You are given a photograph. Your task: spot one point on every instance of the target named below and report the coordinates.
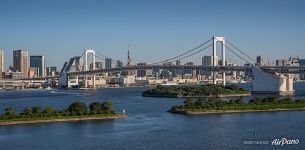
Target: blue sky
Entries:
(155, 29)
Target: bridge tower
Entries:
(217, 39)
(89, 53)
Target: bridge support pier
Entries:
(93, 81)
(223, 78)
(86, 82)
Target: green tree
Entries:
(95, 106)
(107, 106)
(188, 103)
(36, 110)
(49, 111)
(78, 108)
(10, 111)
(28, 111)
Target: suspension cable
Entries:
(192, 53)
(240, 51)
(169, 60)
(237, 54)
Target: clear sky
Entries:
(154, 29)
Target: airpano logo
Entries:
(284, 141)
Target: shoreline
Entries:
(221, 96)
(186, 112)
(203, 96)
(71, 119)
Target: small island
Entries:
(77, 111)
(216, 105)
(186, 91)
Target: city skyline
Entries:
(263, 28)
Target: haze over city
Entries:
(62, 29)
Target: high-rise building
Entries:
(119, 64)
(33, 72)
(39, 63)
(141, 72)
(144, 72)
(1, 63)
(207, 61)
(108, 62)
(281, 62)
(259, 61)
(98, 66)
(21, 62)
(51, 71)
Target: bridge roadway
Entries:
(220, 69)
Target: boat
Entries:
(48, 88)
(52, 92)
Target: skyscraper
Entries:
(108, 62)
(21, 62)
(119, 64)
(1, 63)
(259, 61)
(207, 61)
(38, 62)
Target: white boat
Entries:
(48, 88)
(52, 92)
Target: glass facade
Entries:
(39, 63)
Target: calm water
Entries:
(148, 126)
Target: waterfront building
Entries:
(1, 63)
(38, 62)
(108, 62)
(128, 80)
(33, 72)
(20, 62)
(16, 75)
(51, 71)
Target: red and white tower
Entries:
(128, 59)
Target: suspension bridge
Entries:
(86, 65)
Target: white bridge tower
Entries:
(89, 53)
(217, 39)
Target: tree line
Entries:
(77, 108)
(215, 103)
(194, 90)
